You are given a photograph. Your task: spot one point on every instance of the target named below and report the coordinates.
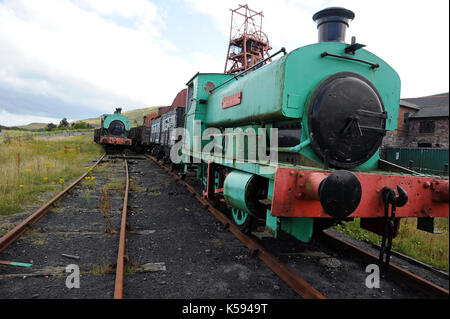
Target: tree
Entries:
(81, 125)
(63, 123)
(50, 126)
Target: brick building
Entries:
(422, 122)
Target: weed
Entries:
(129, 269)
(7, 139)
(100, 270)
(153, 191)
(87, 196)
(30, 166)
(106, 209)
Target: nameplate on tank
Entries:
(232, 100)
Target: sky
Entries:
(82, 58)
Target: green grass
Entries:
(432, 249)
(32, 166)
(9, 136)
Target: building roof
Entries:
(432, 111)
(429, 101)
(428, 106)
(409, 105)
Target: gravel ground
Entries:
(175, 247)
(202, 260)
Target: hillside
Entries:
(33, 126)
(136, 116)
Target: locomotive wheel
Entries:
(242, 220)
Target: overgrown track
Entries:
(299, 285)
(71, 224)
(18, 231)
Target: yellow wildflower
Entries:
(21, 186)
(53, 183)
(28, 170)
(61, 180)
(45, 179)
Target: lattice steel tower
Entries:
(248, 44)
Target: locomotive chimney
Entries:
(118, 110)
(332, 23)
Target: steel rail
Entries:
(18, 231)
(118, 289)
(416, 262)
(405, 276)
(300, 286)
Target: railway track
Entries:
(118, 290)
(20, 229)
(299, 285)
(26, 224)
(395, 272)
(302, 287)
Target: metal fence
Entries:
(423, 160)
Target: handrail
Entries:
(372, 65)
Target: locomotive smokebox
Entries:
(332, 23)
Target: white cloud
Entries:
(9, 119)
(82, 54)
(141, 14)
